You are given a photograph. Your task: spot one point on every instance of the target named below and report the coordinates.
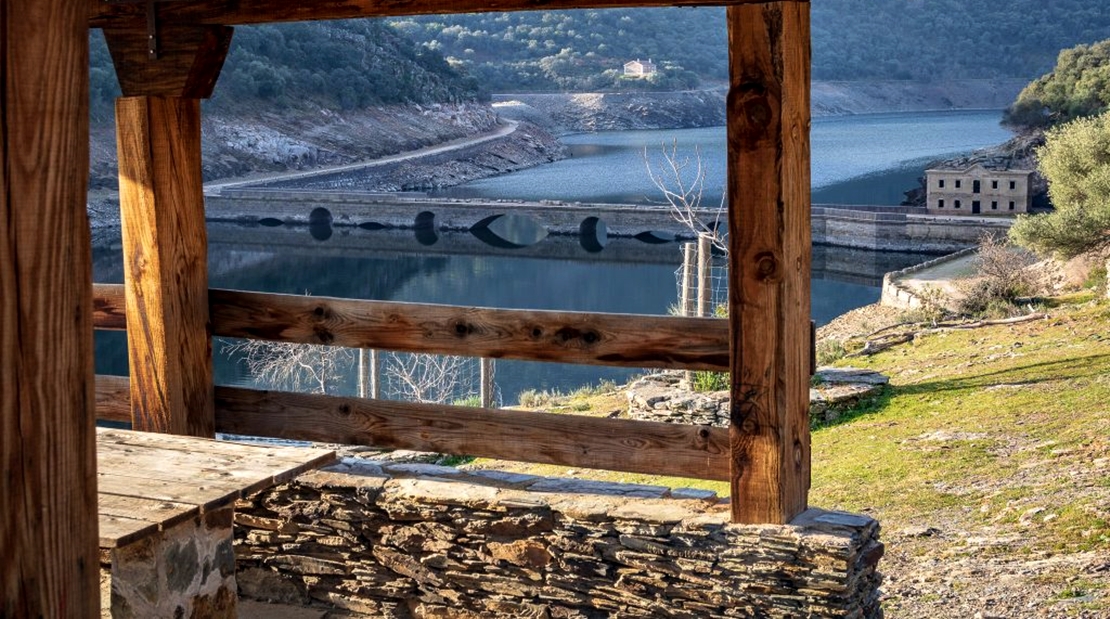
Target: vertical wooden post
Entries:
(705, 275)
(688, 301)
(769, 258)
(485, 373)
(48, 533)
(368, 384)
(165, 248)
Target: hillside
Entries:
(339, 65)
(1079, 85)
(985, 460)
(919, 40)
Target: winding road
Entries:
(507, 128)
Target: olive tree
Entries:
(1076, 161)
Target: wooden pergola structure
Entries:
(168, 55)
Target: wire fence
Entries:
(701, 281)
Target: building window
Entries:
(975, 186)
(994, 205)
(940, 203)
(994, 184)
(1013, 184)
(956, 203)
(940, 183)
(958, 183)
(1011, 205)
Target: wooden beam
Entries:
(221, 12)
(698, 452)
(187, 62)
(769, 259)
(623, 340)
(165, 252)
(49, 565)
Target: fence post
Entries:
(485, 393)
(368, 384)
(705, 275)
(689, 261)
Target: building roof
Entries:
(999, 166)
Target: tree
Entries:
(1076, 161)
(682, 183)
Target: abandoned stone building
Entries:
(978, 190)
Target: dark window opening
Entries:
(994, 184)
(974, 186)
(1011, 205)
(956, 204)
(958, 183)
(975, 207)
(1013, 185)
(940, 183)
(994, 205)
(940, 203)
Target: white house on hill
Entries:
(639, 68)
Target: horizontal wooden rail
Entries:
(624, 340)
(222, 12)
(698, 452)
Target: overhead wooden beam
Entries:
(180, 61)
(769, 259)
(103, 14)
(49, 563)
(165, 258)
(620, 340)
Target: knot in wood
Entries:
(323, 336)
(798, 453)
(767, 267)
(590, 337)
(757, 112)
(321, 312)
(462, 329)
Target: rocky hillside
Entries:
(572, 112)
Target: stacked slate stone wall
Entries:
(425, 541)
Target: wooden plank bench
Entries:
(166, 510)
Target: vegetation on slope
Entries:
(1075, 160)
(1077, 87)
(852, 39)
(339, 65)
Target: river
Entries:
(862, 159)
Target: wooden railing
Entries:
(570, 337)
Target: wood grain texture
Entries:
(188, 62)
(49, 564)
(104, 14)
(698, 452)
(165, 252)
(769, 260)
(625, 340)
(113, 398)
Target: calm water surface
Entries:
(861, 159)
(865, 159)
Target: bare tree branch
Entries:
(682, 183)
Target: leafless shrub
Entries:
(434, 379)
(681, 180)
(1003, 279)
(306, 368)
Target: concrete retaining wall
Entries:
(424, 541)
(894, 294)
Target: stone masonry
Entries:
(666, 397)
(408, 540)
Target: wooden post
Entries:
(689, 261)
(165, 243)
(165, 248)
(48, 527)
(705, 276)
(368, 384)
(485, 373)
(769, 258)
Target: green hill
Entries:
(340, 65)
(852, 40)
(1078, 86)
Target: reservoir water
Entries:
(855, 158)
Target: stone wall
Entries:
(666, 397)
(424, 541)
